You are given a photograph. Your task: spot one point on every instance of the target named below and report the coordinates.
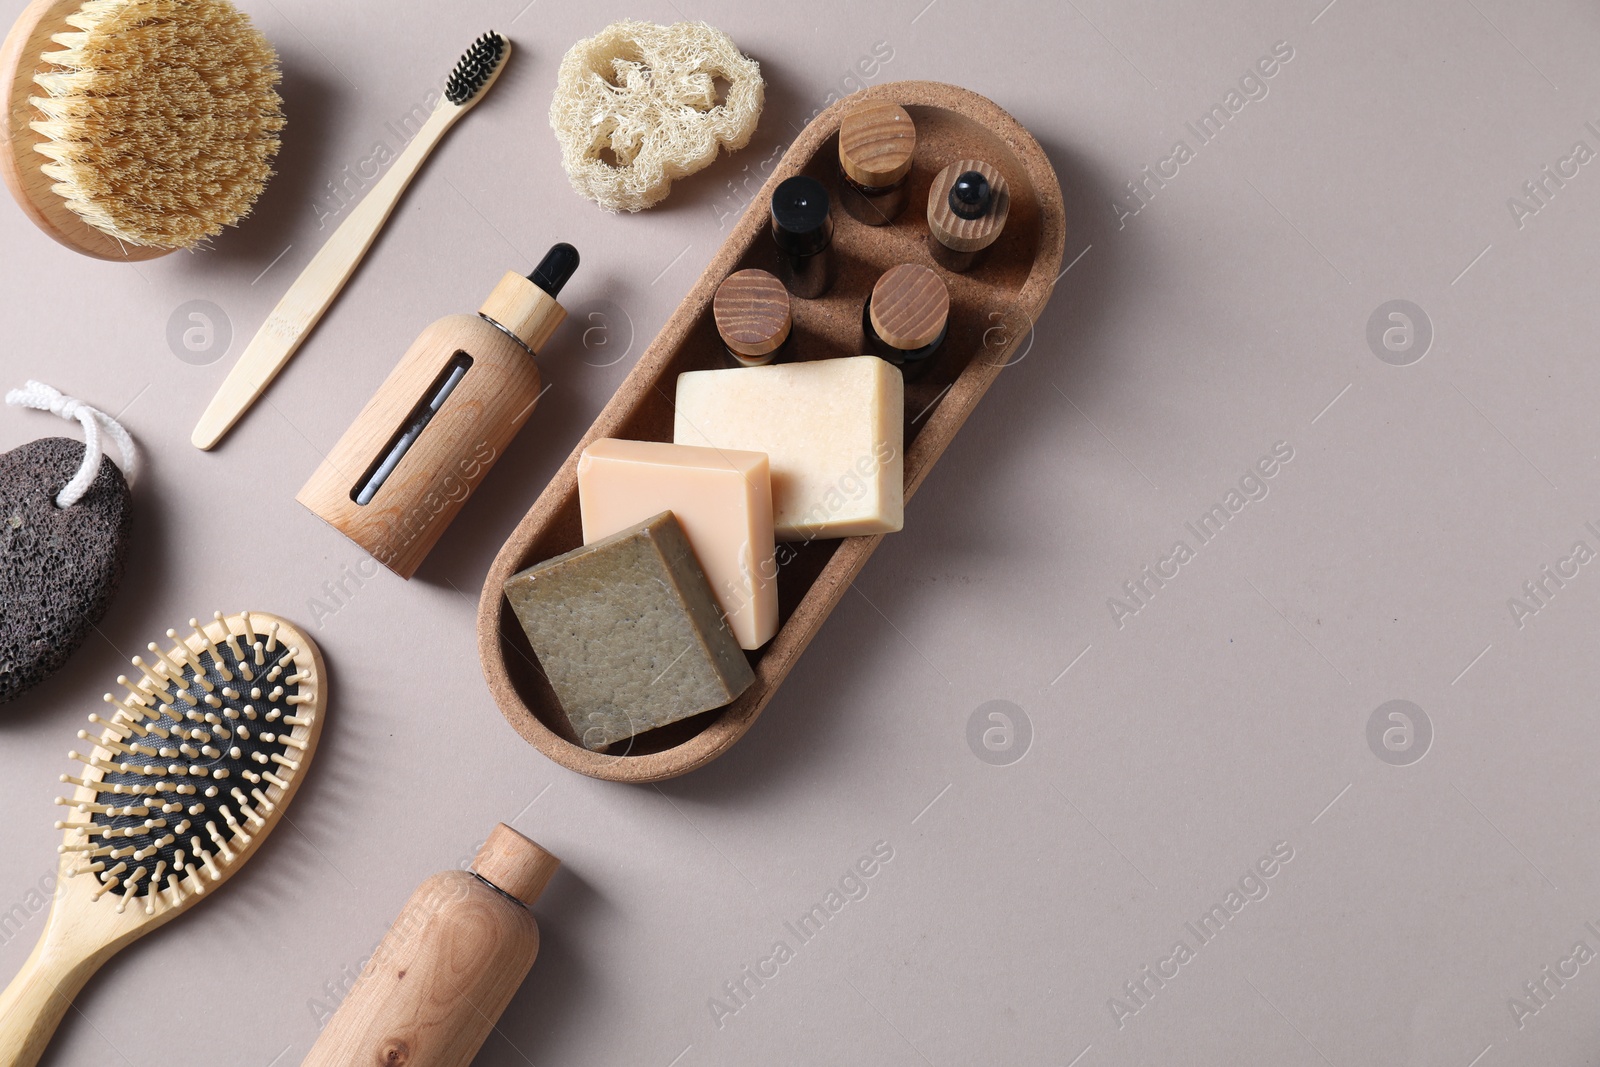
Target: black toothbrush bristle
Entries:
(477, 66)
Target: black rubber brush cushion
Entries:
(59, 567)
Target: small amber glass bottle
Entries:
(907, 317)
(802, 228)
(752, 314)
(877, 145)
(967, 208)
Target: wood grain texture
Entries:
(525, 309)
(82, 932)
(319, 285)
(877, 142)
(514, 864)
(468, 433)
(751, 309)
(20, 165)
(437, 983)
(968, 235)
(992, 311)
(910, 306)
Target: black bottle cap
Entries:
(555, 269)
(970, 196)
(800, 221)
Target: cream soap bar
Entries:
(833, 429)
(721, 497)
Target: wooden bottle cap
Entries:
(877, 141)
(514, 865)
(910, 306)
(967, 235)
(751, 309)
(525, 309)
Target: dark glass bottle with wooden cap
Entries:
(751, 310)
(906, 318)
(802, 228)
(877, 145)
(405, 467)
(967, 208)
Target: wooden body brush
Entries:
(319, 284)
(186, 777)
(136, 127)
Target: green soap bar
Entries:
(629, 633)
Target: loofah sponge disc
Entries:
(161, 116)
(636, 108)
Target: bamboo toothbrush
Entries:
(319, 284)
(189, 774)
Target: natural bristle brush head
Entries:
(136, 127)
(480, 65)
(177, 786)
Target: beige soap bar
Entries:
(833, 430)
(722, 498)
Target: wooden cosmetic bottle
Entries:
(442, 976)
(422, 444)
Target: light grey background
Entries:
(1168, 754)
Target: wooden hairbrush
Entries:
(187, 776)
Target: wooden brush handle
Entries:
(33, 1005)
(319, 284)
(437, 984)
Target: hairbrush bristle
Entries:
(476, 68)
(197, 756)
(161, 118)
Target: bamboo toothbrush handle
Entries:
(319, 284)
(33, 1005)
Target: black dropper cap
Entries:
(555, 269)
(800, 221)
(971, 196)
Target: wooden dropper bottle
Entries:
(422, 444)
(447, 968)
(967, 208)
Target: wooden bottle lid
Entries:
(751, 309)
(967, 235)
(910, 306)
(877, 141)
(525, 309)
(514, 865)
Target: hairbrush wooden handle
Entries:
(298, 313)
(147, 837)
(33, 1005)
(448, 967)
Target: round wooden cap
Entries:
(525, 309)
(752, 312)
(877, 141)
(967, 235)
(514, 865)
(910, 306)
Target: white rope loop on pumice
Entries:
(42, 397)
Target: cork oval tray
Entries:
(993, 308)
